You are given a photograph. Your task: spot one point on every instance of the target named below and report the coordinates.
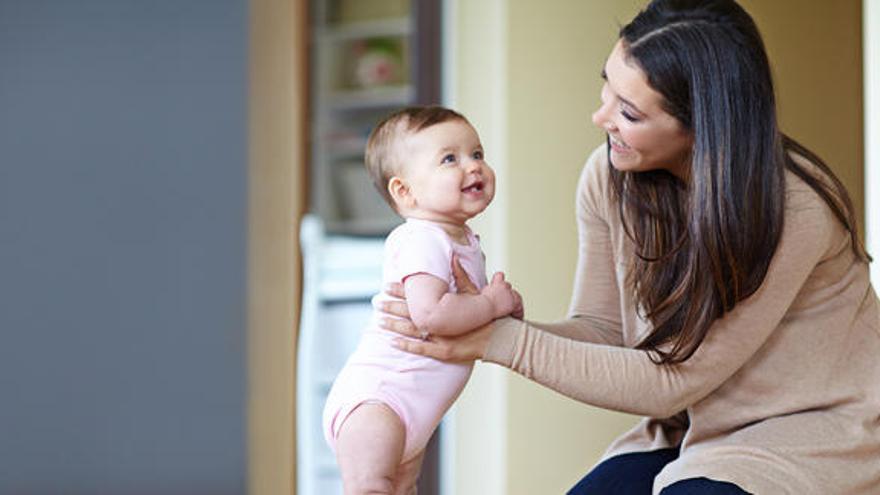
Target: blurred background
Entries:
(169, 320)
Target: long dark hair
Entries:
(705, 245)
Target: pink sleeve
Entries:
(422, 251)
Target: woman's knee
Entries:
(626, 473)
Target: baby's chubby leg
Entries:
(369, 449)
(408, 475)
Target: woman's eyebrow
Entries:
(631, 105)
(621, 98)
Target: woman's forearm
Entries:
(583, 329)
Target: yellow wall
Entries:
(476, 84)
(815, 49)
(534, 103)
(276, 150)
(556, 52)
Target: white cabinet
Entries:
(340, 276)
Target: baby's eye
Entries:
(450, 158)
(478, 155)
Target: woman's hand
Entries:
(465, 286)
(462, 281)
(460, 348)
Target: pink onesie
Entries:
(419, 389)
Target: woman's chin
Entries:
(624, 162)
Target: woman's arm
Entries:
(594, 310)
(581, 328)
(627, 380)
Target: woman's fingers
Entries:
(424, 348)
(395, 289)
(462, 281)
(460, 348)
(396, 308)
(440, 348)
(403, 327)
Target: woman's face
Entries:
(641, 135)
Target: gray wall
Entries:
(122, 246)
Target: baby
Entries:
(427, 162)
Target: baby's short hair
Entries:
(380, 157)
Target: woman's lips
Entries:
(617, 145)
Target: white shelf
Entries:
(367, 29)
(363, 227)
(385, 96)
(343, 149)
(336, 269)
(352, 268)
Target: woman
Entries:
(721, 289)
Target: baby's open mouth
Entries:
(475, 187)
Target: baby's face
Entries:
(444, 168)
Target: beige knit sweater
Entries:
(783, 395)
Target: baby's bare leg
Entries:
(369, 449)
(408, 474)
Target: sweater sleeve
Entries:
(594, 311)
(627, 380)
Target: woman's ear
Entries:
(400, 192)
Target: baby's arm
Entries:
(437, 311)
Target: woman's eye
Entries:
(450, 158)
(628, 116)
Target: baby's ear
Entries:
(400, 192)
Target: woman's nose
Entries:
(601, 119)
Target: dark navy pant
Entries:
(633, 474)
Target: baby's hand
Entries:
(502, 296)
(518, 310)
